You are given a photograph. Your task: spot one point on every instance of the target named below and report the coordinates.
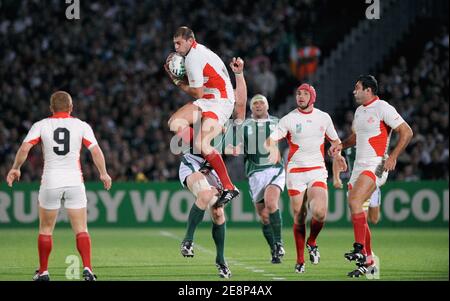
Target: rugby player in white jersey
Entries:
(306, 129)
(372, 127)
(61, 137)
(209, 83)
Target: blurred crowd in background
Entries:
(111, 62)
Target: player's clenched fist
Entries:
(237, 65)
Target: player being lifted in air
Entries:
(62, 137)
(373, 123)
(306, 129)
(209, 83)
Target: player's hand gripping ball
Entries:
(176, 65)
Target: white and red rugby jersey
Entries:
(306, 134)
(205, 68)
(61, 136)
(373, 124)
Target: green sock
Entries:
(276, 223)
(218, 234)
(268, 234)
(195, 217)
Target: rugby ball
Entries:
(176, 65)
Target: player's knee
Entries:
(299, 216)
(177, 124)
(46, 230)
(217, 215)
(264, 217)
(320, 215)
(271, 205)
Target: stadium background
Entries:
(111, 60)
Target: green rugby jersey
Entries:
(253, 134)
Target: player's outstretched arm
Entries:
(405, 135)
(237, 66)
(99, 161)
(21, 157)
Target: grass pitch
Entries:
(153, 254)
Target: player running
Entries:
(306, 129)
(207, 81)
(266, 180)
(61, 136)
(371, 208)
(372, 126)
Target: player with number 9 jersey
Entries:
(61, 137)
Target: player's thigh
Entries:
(193, 179)
(296, 202)
(47, 220)
(210, 129)
(187, 114)
(78, 219)
(362, 190)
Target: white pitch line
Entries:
(254, 270)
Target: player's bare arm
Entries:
(99, 161)
(237, 66)
(405, 134)
(339, 165)
(349, 142)
(21, 157)
(274, 153)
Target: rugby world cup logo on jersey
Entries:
(298, 128)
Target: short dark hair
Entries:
(369, 81)
(185, 32)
